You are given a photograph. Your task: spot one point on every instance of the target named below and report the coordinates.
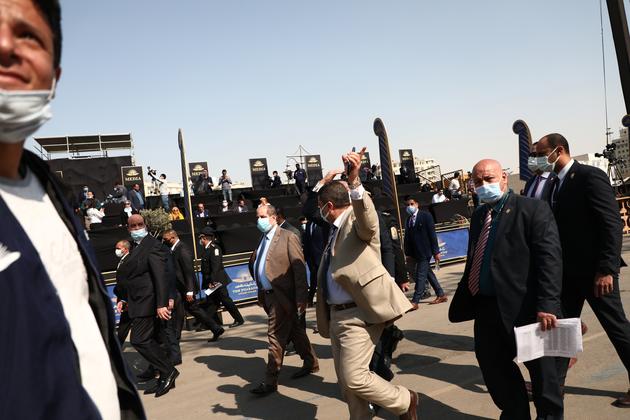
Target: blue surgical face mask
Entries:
(489, 193)
(138, 235)
(532, 163)
(263, 224)
(543, 162)
(411, 210)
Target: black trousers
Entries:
(495, 349)
(221, 295)
(200, 310)
(171, 331)
(144, 333)
(312, 287)
(609, 311)
(124, 325)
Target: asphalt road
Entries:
(436, 359)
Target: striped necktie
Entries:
(535, 188)
(475, 270)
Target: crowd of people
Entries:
(526, 263)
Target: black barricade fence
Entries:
(99, 174)
(313, 169)
(259, 173)
(406, 160)
(196, 168)
(446, 211)
(132, 175)
(270, 192)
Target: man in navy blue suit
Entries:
(420, 245)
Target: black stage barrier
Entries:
(99, 174)
(270, 192)
(444, 212)
(104, 240)
(283, 201)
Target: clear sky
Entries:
(252, 78)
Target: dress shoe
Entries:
(411, 413)
(147, 375)
(304, 371)
(236, 324)
(167, 383)
(414, 307)
(153, 388)
(623, 402)
(216, 335)
(439, 299)
(290, 349)
(425, 295)
(263, 389)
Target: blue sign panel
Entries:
(243, 286)
(453, 243)
(112, 298)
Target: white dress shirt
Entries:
(563, 173)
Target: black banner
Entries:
(259, 173)
(313, 169)
(196, 168)
(406, 160)
(132, 175)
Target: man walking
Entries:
(214, 274)
(511, 280)
(146, 290)
(279, 269)
(356, 296)
(590, 227)
(420, 245)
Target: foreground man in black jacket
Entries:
(85, 375)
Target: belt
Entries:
(343, 306)
(268, 291)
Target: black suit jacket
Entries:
(525, 264)
(313, 245)
(212, 266)
(547, 189)
(135, 202)
(420, 239)
(146, 284)
(589, 223)
(184, 271)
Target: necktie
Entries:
(326, 259)
(556, 190)
(536, 184)
(263, 245)
(475, 270)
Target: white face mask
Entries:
(119, 253)
(22, 112)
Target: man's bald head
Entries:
(489, 171)
(135, 222)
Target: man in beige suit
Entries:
(280, 272)
(356, 297)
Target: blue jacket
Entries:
(420, 239)
(38, 362)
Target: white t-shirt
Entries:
(62, 260)
(454, 185)
(437, 198)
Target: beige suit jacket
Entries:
(356, 266)
(285, 269)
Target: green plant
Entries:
(156, 220)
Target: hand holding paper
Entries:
(565, 340)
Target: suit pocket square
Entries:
(7, 257)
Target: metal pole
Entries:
(185, 176)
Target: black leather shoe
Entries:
(304, 371)
(236, 324)
(167, 383)
(153, 388)
(263, 389)
(216, 335)
(147, 375)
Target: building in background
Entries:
(427, 167)
(622, 151)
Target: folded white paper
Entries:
(563, 341)
(210, 290)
